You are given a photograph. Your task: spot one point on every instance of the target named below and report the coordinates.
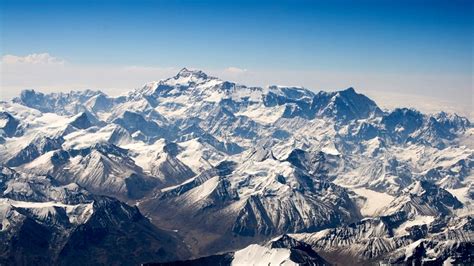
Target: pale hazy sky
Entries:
(400, 53)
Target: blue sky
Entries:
(406, 40)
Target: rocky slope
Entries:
(49, 224)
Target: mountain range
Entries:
(194, 170)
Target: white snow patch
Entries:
(375, 201)
(88, 137)
(41, 163)
(145, 154)
(202, 191)
(78, 214)
(260, 255)
(262, 114)
(419, 220)
(330, 150)
(461, 194)
(198, 156)
(3, 122)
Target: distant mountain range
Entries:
(194, 170)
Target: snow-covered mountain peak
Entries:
(452, 120)
(261, 154)
(423, 198)
(185, 72)
(343, 106)
(417, 188)
(50, 212)
(189, 77)
(63, 103)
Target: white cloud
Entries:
(43, 58)
(235, 70)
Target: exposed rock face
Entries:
(391, 239)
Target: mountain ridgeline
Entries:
(194, 170)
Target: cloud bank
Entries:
(43, 58)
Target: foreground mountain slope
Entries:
(66, 225)
(397, 240)
(283, 250)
